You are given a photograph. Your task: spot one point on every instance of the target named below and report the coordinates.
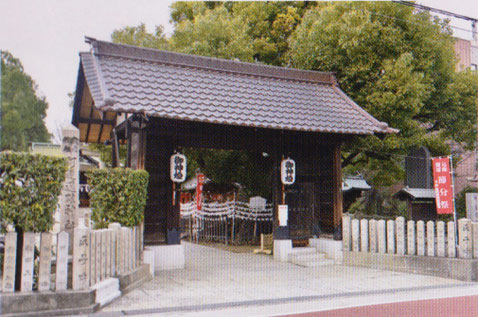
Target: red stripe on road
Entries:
(454, 306)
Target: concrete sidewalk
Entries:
(217, 282)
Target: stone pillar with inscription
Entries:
(9, 261)
(27, 262)
(430, 238)
(69, 198)
(441, 241)
(45, 262)
(420, 237)
(346, 232)
(381, 236)
(364, 235)
(411, 238)
(400, 233)
(81, 261)
(355, 235)
(465, 241)
(62, 244)
(451, 239)
(372, 232)
(391, 236)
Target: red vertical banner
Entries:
(199, 186)
(442, 184)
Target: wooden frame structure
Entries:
(157, 102)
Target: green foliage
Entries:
(30, 186)
(117, 195)
(105, 152)
(137, 35)
(23, 111)
(396, 63)
(399, 66)
(250, 170)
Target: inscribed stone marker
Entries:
(69, 198)
(430, 238)
(45, 262)
(411, 238)
(390, 236)
(372, 229)
(355, 235)
(400, 227)
(465, 239)
(346, 233)
(9, 262)
(381, 235)
(62, 245)
(27, 262)
(441, 241)
(420, 237)
(81, 259)
(451, 239)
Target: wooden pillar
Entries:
(173, 234)
(338, 199)
(280, 232)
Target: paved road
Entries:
(221, 283)
(453, 306)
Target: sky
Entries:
(47, 35)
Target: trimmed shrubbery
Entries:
(29, 190)
(117, 195)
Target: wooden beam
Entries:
(338, 199)
(96, 121)
(89, 125)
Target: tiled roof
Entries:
(125, 78)
(417, 193)
(351, 182)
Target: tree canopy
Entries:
(23, 111)
(396, 63)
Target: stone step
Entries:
(303, 250)
(306, 257)
(315, 263)
(106, 291)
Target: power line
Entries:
(443, 12)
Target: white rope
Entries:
(220, 211)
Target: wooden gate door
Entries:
(303, 206)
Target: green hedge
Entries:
(117, 195)
(30, 186)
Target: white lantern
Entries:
(287, 171)
(178, 168)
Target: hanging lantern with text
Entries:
(178, 168)
(287, 171)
